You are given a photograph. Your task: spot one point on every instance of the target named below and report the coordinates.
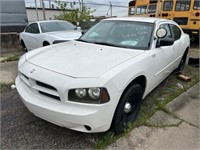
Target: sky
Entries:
(119, 8)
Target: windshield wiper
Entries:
(104, 43)
(83, 41)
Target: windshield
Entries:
(127, 34)
(56, 26)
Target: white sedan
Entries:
(98, 82)
(43, 33)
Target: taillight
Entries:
(165, 14)
(197, 14)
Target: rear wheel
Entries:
(127, 109)
(182, 63)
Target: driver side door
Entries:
(162, 58)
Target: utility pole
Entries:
(110, 8)
(79, 5)
(43, 8)
(82, 6)
(36, 10)
(49, 3)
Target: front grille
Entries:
(181, 20)
(49, 95)
(45, 85)
(40, 87)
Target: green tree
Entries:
(74, 15)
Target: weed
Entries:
(4, 86)
(156, 100)
(13, 57)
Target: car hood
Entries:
(65, 35)
(79, 59)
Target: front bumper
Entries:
(76, 116)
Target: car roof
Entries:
(139, 19)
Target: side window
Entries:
(28, 29)
(176, 31)
(32, 28)
(35, 28)
(196, 5)
(141, 10)
(166, 26)
(168, 5)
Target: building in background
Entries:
(49, 13)
(13, 15)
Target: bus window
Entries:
(152, 9)
(183, 5)
(131, 10)
(196, 5)
(141, 10)
(168, 5)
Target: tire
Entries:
(24, 46)
(181, 65)
(132, 98)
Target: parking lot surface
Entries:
(20, 129)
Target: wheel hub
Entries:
(127, 107)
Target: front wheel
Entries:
(24, 46)
(127, 109)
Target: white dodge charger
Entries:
(43, 33)
(98, 81)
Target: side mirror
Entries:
(78, 28)
(84, 31)
(161, 33)
(162, 40)
(165, 42)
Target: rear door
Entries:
(178, 43)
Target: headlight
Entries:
(81, 93)
(89, 95)
(94, 93)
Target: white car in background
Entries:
(98, 81)
(43, 33)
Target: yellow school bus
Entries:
(149, 8)
(185, 12)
